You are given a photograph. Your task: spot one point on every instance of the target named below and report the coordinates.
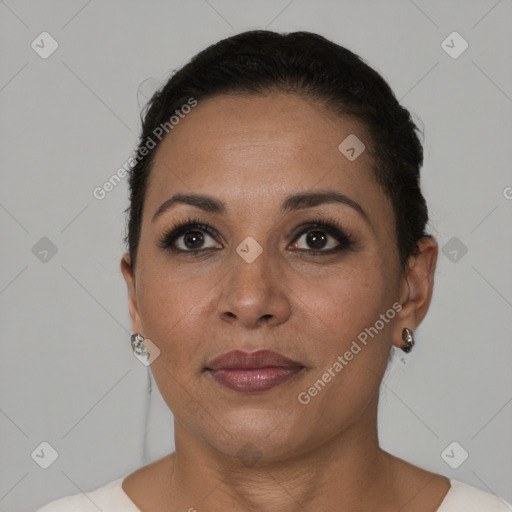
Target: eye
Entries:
(189, 236)
(194, 239)
(322, 238)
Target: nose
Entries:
(253, 294)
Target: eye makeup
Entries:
(320, 225)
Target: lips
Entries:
(252, 372)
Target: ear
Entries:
(416, 288)
(129, 277)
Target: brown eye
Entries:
(322, 238)
(190, 236)
(316, 240)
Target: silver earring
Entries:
(138, 346)
(408, 339)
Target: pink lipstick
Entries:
(252, 372)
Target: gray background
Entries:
(69, 121)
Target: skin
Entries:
(251, 152)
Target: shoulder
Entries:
(108, 498)
(465, 498)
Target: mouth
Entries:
(252, 372)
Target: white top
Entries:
(112, 498)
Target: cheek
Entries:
(173, 306)
(340, 301)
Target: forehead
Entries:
(251, 150)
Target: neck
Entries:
(347, 472)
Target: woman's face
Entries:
(257, 282)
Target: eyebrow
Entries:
(292, 202)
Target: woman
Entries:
(276, 253)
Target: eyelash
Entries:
(328, 224)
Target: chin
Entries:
(259, 432)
